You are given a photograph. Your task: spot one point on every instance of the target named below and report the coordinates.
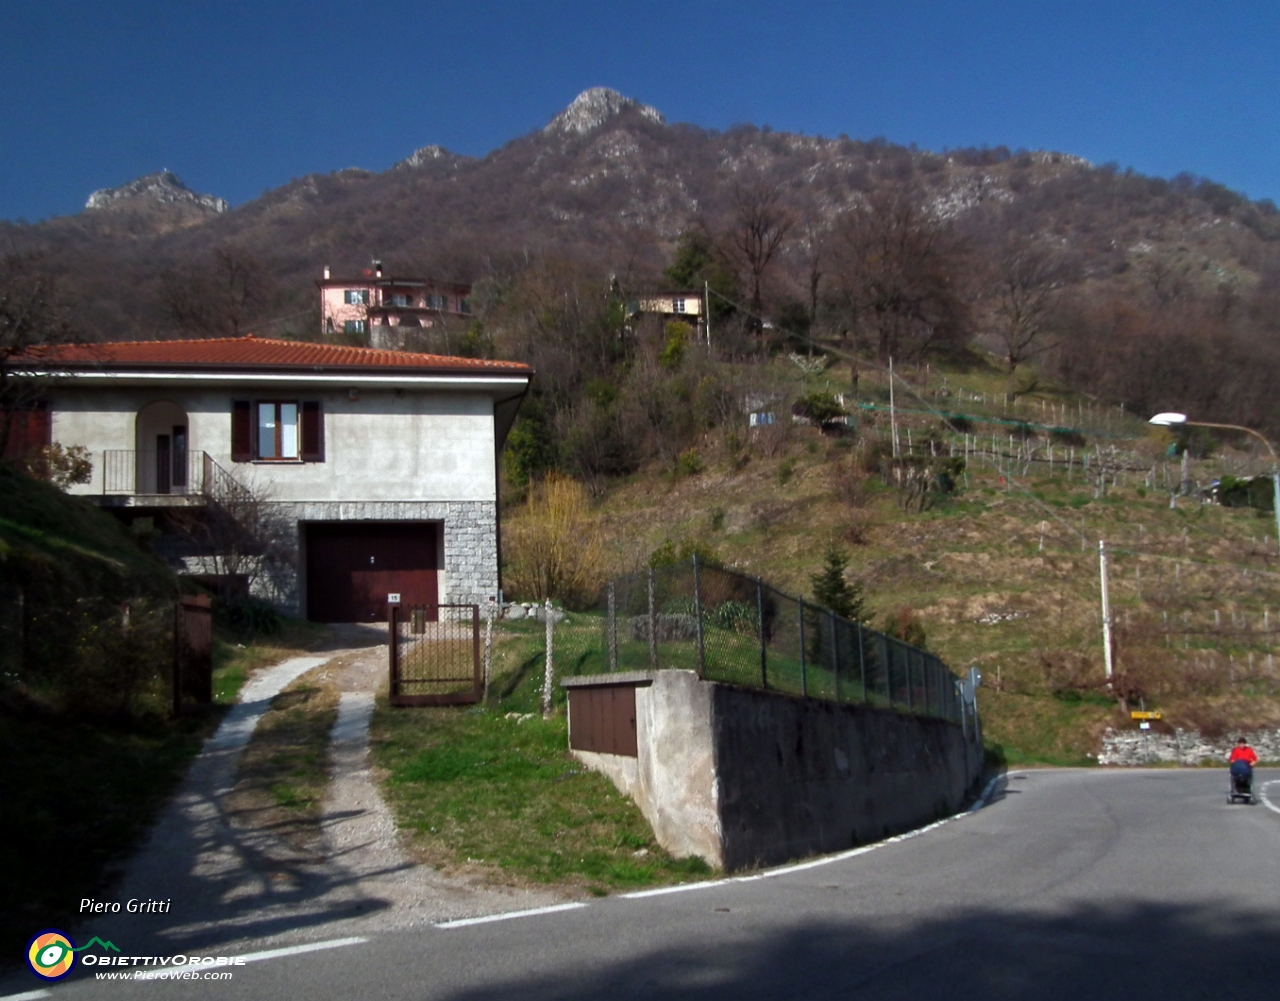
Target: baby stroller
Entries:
(1241, 790)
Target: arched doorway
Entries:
(162, 449)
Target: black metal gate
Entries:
(435, 654)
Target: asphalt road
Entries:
(1071, 884)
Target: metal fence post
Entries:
(764, 665)
(835, 651)
(883, 645)
(804, 681)
(393, 643)
(546, 674)
(697, 609)
(862, 662)
(653, 626)
(613, 631)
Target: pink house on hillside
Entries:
(373, 303)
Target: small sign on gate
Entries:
(393, 598)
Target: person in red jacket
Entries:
(1242, 761)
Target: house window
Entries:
(277, 430)
(353, 327)
(464, 306)
(678, 305)
(435, 301)
(403, 301)
(356, 297)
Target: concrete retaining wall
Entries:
(743, 778)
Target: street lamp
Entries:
(1172, 420)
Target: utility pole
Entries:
(1106, 610)
(706, 304)
(893, 414)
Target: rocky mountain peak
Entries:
(425, 155)
(162, 188)
(592, 108)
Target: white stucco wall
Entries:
(387, 445)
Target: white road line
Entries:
(786, 870)
(1261, 792)
(465, 922)
(298, 950)
(26, 995)
(678, 888)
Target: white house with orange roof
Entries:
(382, 464)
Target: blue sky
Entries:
(239, 98)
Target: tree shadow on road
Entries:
(1090, 953)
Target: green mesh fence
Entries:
(738, 630)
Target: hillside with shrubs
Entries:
(1034, 308)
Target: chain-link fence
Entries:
(738, 630)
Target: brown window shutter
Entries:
(312, 431)
(29, 429)
(241, 431)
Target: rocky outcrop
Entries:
(162, 188)
(592, 108)
(427, 156)
(1182, 747)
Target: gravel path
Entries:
(231, 884)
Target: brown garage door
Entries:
(353, 566)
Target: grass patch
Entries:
(285, 767)
(498, 789)
(77, 798)
(237, 656)
(1034, 730)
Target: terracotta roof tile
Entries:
(259, 352)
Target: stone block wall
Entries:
(470, 544)
(1136, 748)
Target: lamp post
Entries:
(1171, 420)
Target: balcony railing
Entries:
(154, 471)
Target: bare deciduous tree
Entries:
(241, 534)
(220, 296)
(900, 274)
(31, 322)
(1028, 276)
(761, 222)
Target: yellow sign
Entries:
(1137, 715)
